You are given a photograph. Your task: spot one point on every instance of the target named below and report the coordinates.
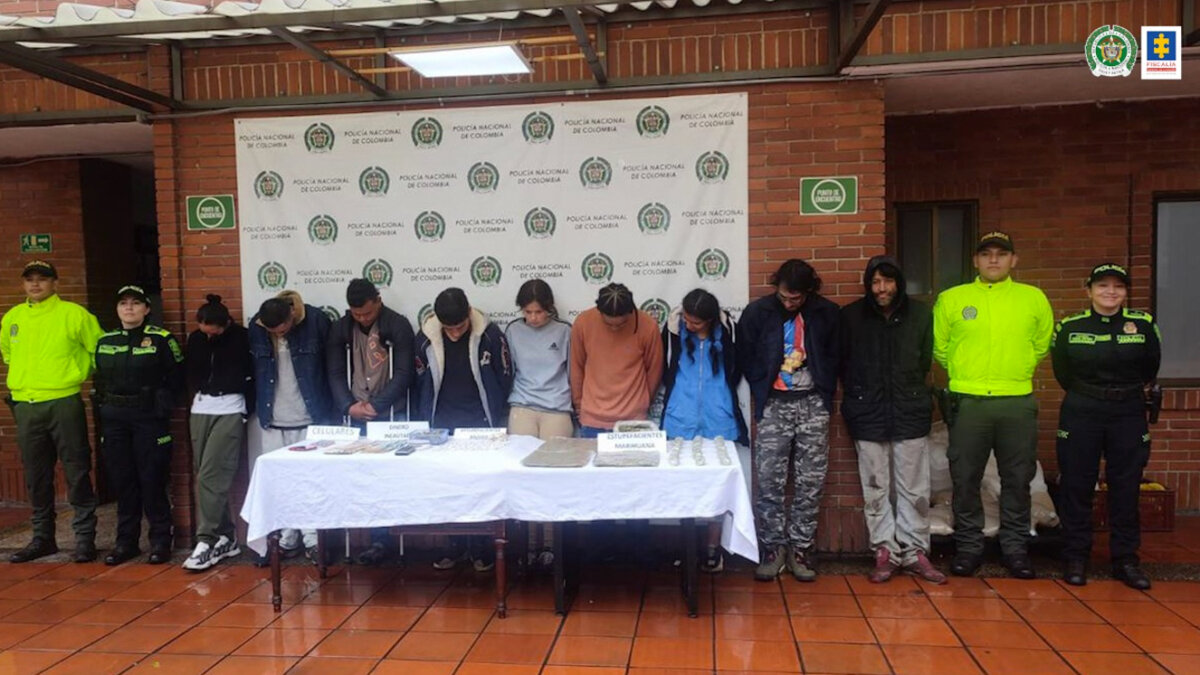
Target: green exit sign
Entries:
(829, 195)
(210, 212)
(36, 243)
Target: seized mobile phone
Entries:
(303, 447)
(404, 448)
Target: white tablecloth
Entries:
(312, 490)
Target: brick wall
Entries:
(1061, 181)
(915, 27)
(22, 92)
(795, 130)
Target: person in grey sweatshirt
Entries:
(539, 343)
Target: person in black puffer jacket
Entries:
(220, 375)
(887, 342)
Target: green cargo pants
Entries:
(1007, 425)
(216, 447)
(50, 431)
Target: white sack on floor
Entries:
(941, 519)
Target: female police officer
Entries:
(1104, 358)
(138, 372)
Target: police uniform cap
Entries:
(134, 292)
(995, 238)
(39, 267)
(1108, 270)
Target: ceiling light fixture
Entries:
(497, 58)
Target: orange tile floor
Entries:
(91, 619)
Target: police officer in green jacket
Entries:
(990, 335)
(1104, 358)
(47, 343)
(139, 372)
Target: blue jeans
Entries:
(591, 432)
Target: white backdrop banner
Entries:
(651, 193)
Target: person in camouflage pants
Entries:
(788, 351)
(796, 428)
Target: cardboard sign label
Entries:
(480, 433)
(393, 431)
(319, 432)
(632, 440)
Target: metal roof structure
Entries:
(30, 43)
(156, 20)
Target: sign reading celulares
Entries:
(651, 193)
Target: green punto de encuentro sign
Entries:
(829, 195)
(210, 212)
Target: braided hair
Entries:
(704, 306)
(213, 312)
(617, 300)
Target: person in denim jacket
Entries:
(287, 342)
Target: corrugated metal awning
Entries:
(169, 20)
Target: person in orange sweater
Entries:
(616, 362)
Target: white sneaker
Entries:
(289, 542)
(201, 558)
(226, 548)
(205, 556)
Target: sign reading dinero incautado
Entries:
(211, 212)
(830, 195)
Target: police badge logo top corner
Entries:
(1161, 57)
(1111, 51)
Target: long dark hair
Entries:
(704, 306)
(213, 312)
(537, 290)
(798, 276)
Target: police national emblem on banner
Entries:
(1161, 58)
(322, 230)
(1111, 51)
(657, 308)
(650, 193)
